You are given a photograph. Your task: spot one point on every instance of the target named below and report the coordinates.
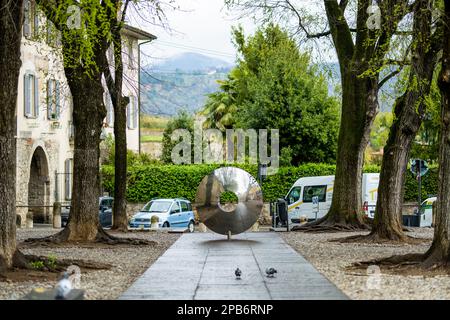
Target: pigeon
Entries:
(238, 274)
(63, 287)
(270, 272)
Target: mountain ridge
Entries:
(181, 82)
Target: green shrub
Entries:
(228, 197)
(146, 182)
(38, 265)
(429, 185)
(52, 261)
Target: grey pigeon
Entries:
(238, 274)
(63, 287)
(270, 272)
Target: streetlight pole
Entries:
(139, 89)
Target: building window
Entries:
(31, 95)
(294, 195)
(132, 113)
(31, 20)
(68, 174)
(109, 109)
(53, 99)
(53, 35)
(310, 192)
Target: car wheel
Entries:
(191, 226)
(166, 225)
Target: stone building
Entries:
(44, 116)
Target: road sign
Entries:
(315, 200)
(419, 167)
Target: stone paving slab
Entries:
(200, 266)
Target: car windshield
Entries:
(157, 206)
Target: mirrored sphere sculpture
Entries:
(229, 218)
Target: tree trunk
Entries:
(388, 223)
(359, 108)
(120, 221)
(439, 253)
(88, 114)
(409, 111)
(360, 56)
(11, 17)
(120, 168)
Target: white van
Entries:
(426, 213)
(300, 196)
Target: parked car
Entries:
(65, 210)
(422, 217)
(104, 212)
(171, 213)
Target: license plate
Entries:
(142, 227)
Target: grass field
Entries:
(151, 138)
(154, 123)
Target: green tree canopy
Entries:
(274, 86)
(182, 121)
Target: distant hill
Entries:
(181, 82)
(191, 62)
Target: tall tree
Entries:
(220, 108)
(361, 52)
(274, 85)
(439, 252)
(409, 111)
(11, 20)
(114, 82)
(85, 29)
(185, 121)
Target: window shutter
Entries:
(26, 96)
(26, 21)
(35, 20)
(36, 96)
(130, 54)
(49, 98)
(49, 32)
(58, 37)
(57, 99)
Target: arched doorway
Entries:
(39, 187)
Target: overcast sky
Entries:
(202, 26)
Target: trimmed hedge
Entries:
(429, 185)
(170, 181)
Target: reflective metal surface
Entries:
(237, 218)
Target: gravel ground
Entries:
(331, 259)
(128, 264)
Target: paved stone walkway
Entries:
(201, 266)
